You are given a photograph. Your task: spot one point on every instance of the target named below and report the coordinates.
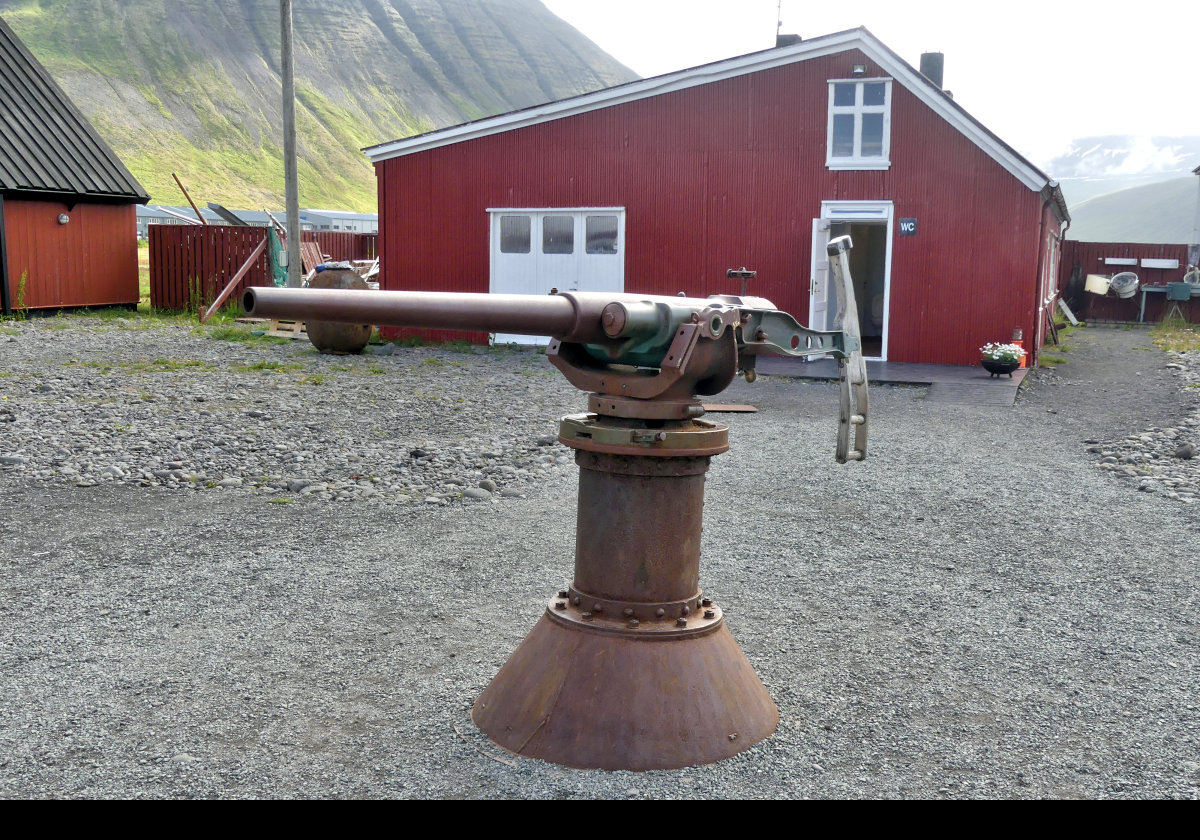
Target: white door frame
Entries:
(853, 211)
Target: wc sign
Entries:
(908, 227)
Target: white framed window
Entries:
(572, 249)
(858, 135)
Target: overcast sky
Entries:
(1038, 74)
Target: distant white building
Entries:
(339, 220)
(330, 220)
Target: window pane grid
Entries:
(514, 234)
(601, 234)
(558, 235)
(858, 121)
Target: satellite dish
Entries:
(1124, 284)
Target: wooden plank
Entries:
(730, 408)
(1066, 310)
(310, 256)
(234, 281)
(287, 329)
(199, 215)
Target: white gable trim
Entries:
(903, 73)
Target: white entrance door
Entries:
(869, 224)
(819, 297)
(569, 249)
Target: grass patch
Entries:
(270, 367)
(166, 366)
(1065, 333)
(410, 341)
(1050, 361)
(458, 345)
(240, 333)
(19, 311)
(314, 379)
(279, 500)
(102, 313)
(1177, 335)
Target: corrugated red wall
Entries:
(732, 173)
(1089, 258)
(91, 260)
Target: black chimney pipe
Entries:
(932, 65)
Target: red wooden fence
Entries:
(344, 246)
(190, 264)
(1079, 259)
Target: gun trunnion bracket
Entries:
(630, 666)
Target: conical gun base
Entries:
(592, 698)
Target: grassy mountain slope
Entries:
(193, 86)
(1159, 213)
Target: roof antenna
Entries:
(782, 40)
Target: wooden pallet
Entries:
(287, 329)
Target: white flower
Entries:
(993, 351)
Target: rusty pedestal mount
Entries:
(631, 667)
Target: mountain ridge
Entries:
(193, 86)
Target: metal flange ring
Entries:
(562, 611)
(589, 432)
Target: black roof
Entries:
(46, 144)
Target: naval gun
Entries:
(630, 666)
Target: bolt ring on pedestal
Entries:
(582, 602)
(641, 620)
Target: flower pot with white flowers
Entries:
(999, 358)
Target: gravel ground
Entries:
(983, 608)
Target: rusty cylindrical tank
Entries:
(334, 336)
(631, 667)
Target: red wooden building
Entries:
(661, 185)
(68, 225)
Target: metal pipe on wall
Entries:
(1193, 256)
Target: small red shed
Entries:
(661, 185)
(68, 224)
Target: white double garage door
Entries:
(577, 249)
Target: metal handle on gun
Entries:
(853, 407)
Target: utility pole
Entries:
(291, 186)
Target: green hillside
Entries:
(193, 86)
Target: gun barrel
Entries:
(560, 316)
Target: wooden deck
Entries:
(948, 384)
